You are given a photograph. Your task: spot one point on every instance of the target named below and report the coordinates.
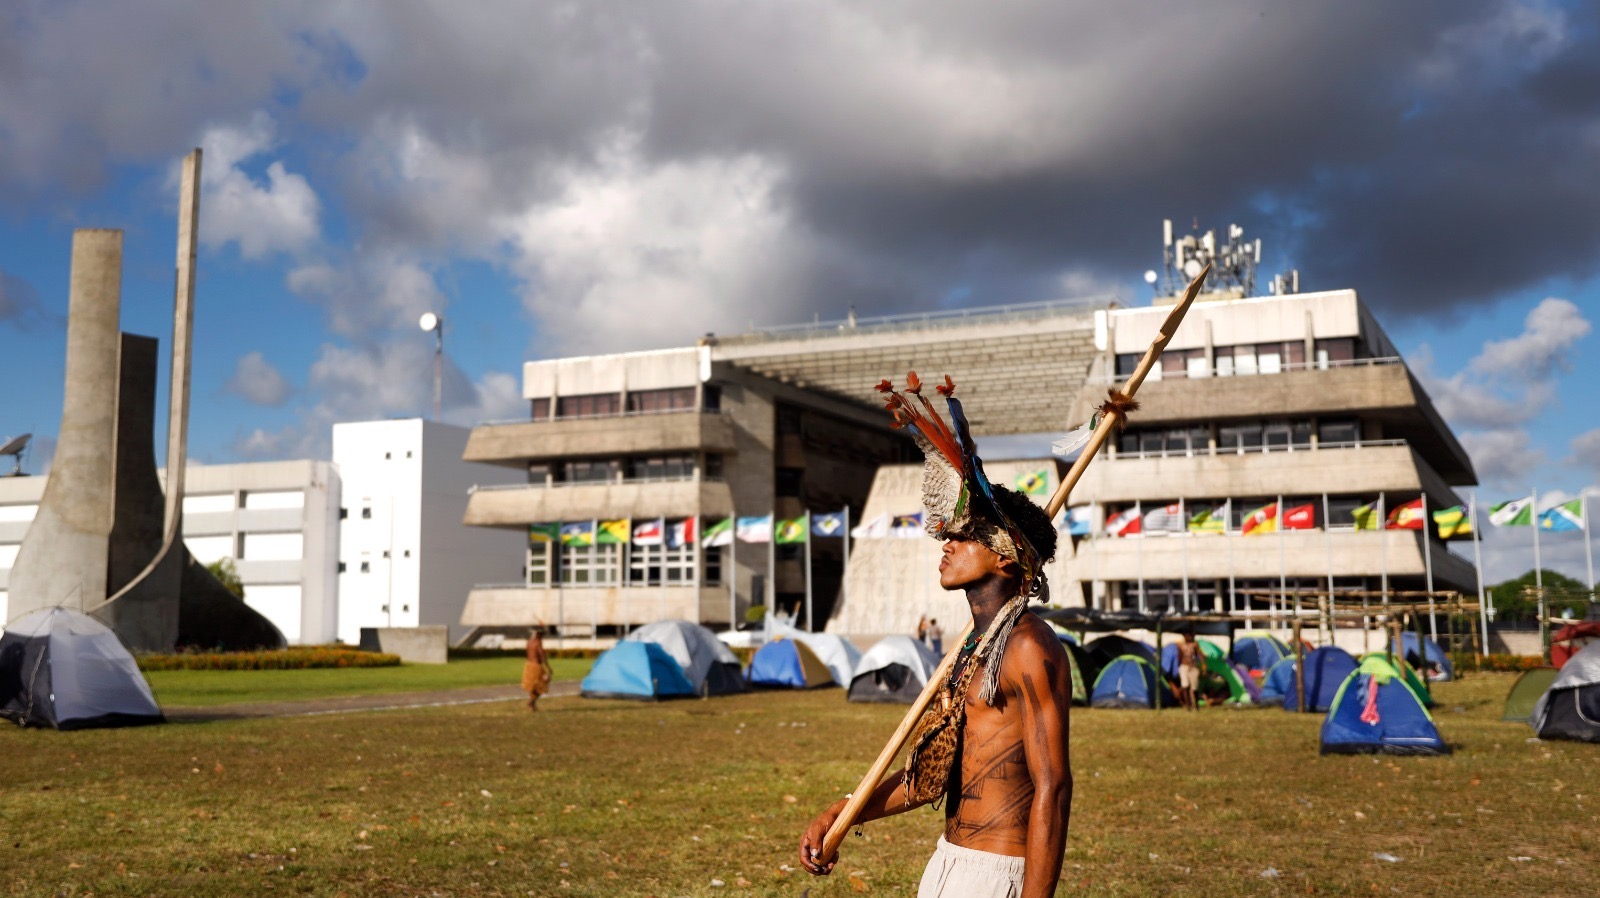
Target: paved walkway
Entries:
(352, 703)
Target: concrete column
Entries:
(63, 559)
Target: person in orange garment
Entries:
(536, 670)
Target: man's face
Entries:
(966, 562)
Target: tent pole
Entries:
(1299, 665)
(1160, 675)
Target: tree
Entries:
(1514, 600)
(227, 575)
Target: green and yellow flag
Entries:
(1033, 483)
(1366, 517)
(1452, 522)
(615, 533)
(790, 531)
(547, 532)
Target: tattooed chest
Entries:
(994, 796)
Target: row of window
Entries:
(1249, 436)
(612, 565)
(638, 402)
(1250, 358)
(611, 470)
(1213, 595)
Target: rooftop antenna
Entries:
(1233, 263)
(14, 447)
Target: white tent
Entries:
(838, 653)
(894, 670)
(711, 668)
(64, 669)
(1570, 708)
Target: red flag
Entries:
(1262, 520)
(1128, 523)
(1407, 516)
(1300, 517)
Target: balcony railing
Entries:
(503, 422)
(571, 483)
(1247, 450)
(921, 320)
(1283, 368)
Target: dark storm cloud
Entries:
(20, 306)
(905, 154)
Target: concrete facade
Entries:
(405, 557)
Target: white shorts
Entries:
(956, 872)
(1188, 676)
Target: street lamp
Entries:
(431, 322)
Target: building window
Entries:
(713, 465)
(593, 405)
(541, 557)
(341, 567)
(591, 565)
(366, 567)
(539, 409)
(1128, 362)
(648, 564)
(673, 400)
(714, 566)
(366, 512)
(343, 513)
(789, 421)
(1239, 438)
(1341, 510)
(1283, 435)
(711, 398)
(1181, 363)
(661, 467)
(1339, 432)
(588, 471)
(1337, 351)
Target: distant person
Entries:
(935, 637)
(535, 670)
(1189, 662)
(922, 629)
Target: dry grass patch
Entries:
(592, 798)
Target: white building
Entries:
(405, 558)
(277, 521)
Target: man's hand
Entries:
(811, 843)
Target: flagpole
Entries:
(1227, 534)
(808, 571)
(1538, 573)
(1283, 563)
(732, 573)
(772, 559)
(661, 528)
(1094, 545)
(844, 570)
(1588, 549)
(1477, 563)
(1427, 561)
(594, 557)
(1183, 521)
(1327, 550)
(691, 529)
(1138, 512)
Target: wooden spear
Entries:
(1102, 431)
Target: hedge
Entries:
(298, 658)
(1511, 663)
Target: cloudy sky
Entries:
(559, 178)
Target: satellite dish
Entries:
(15, 445)
(1192, 268)
(428, 321)
(1150, 277)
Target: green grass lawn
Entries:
(591, 798)
(180, 688)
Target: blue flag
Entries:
(831, 524)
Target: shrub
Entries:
(1511, 663)
(297, 658)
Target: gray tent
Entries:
(64, 669)
(1571, 707)
(712, 669)
(894, 670)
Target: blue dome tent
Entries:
(1375, 711)
(1129, 682)
(788, 663)
(636, 670)
(1258, 651)
(1431, 656)
(1326, 670)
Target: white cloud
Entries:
(374, 292)
(258, 382)
(279, 215)
(1549, 333)
(1503, 457)
(1586, 450)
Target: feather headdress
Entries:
(958, 499)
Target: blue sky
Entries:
(559, 180)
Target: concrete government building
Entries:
(1298, 398)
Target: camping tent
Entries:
(1326, 670)
(1258, 651)
(787, 663)
(1416, 683)
(894, 670)
(1434, 656)
(1526, 692)
(1077, 659)
(1571, 708)
(709, 665)
(839, 654)
(1278, 682)
(1217, 664)
(1102, 651)
(1570, 640)
(1374, 711)
(64, 669)
(1129, 682)
(637, 670)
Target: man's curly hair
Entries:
(1030, 519)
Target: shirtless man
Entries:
(1008, 800)
(1189, 667)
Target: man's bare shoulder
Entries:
(1033, 648)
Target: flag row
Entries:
(1275, 516)
(676, 533)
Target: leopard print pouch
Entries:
(937, 741)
